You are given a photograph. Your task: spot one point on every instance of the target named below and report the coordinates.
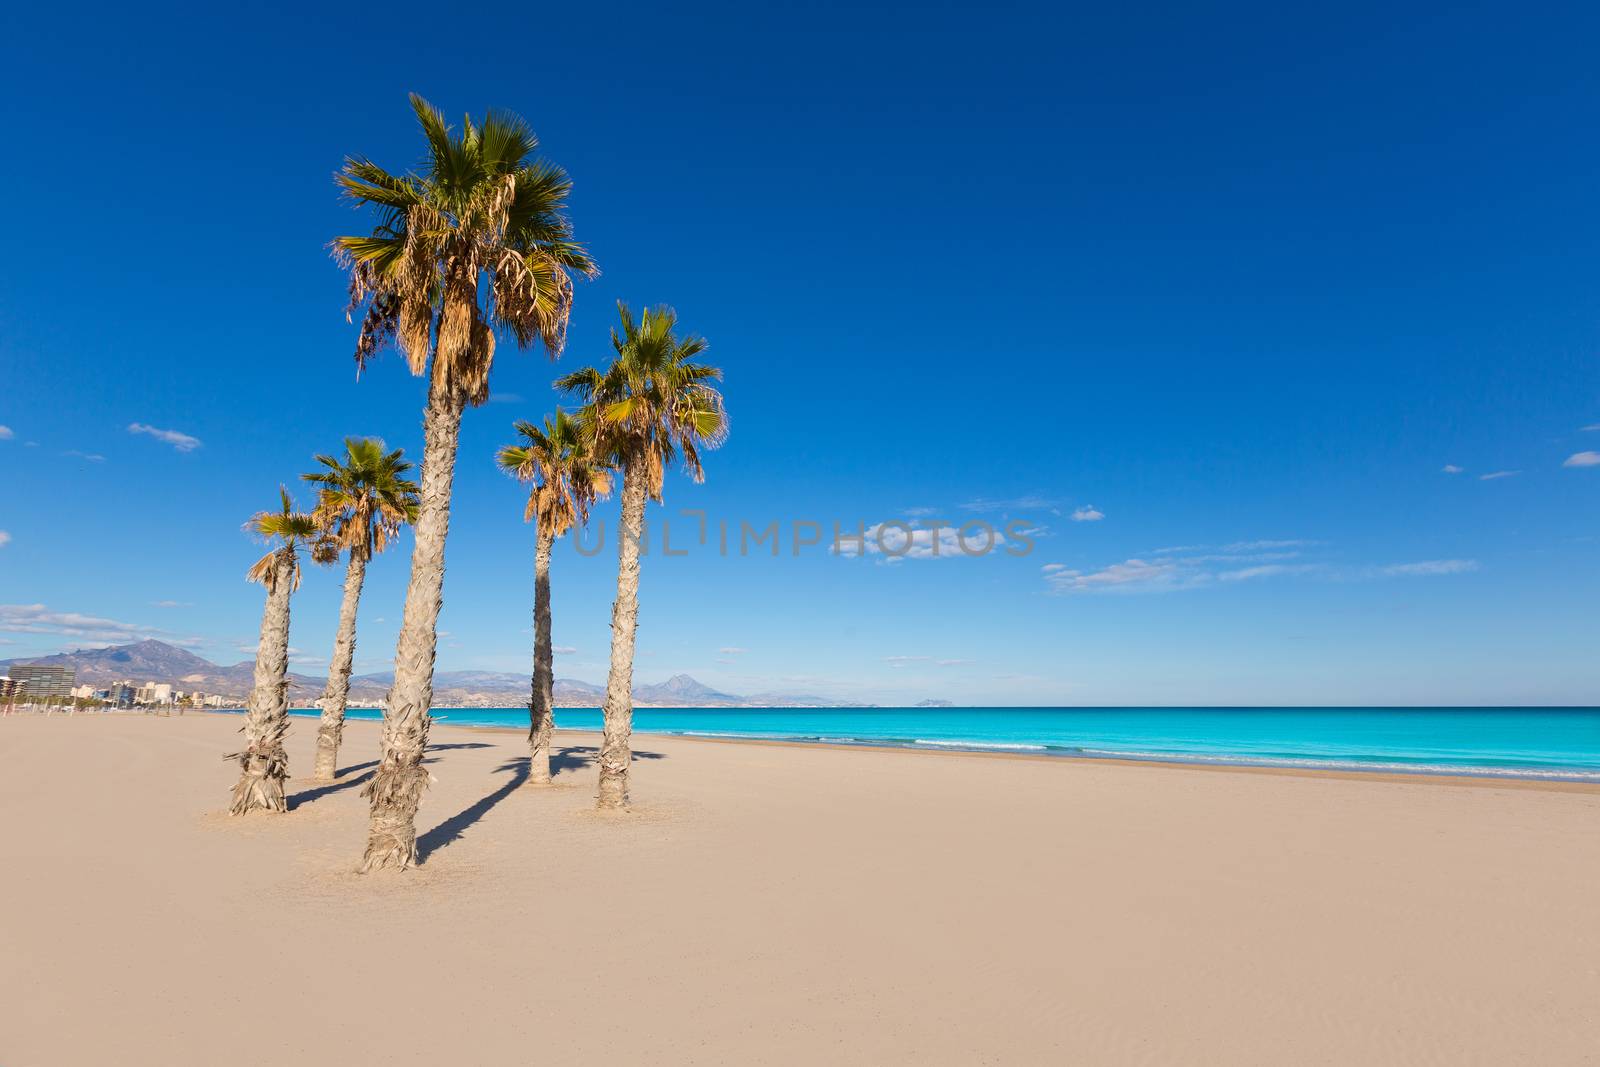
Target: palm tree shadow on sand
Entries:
(578, 757)
(453, 828)
(572, 757)
(348, 778)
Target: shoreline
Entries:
(1490, 779)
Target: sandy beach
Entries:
(783, 904)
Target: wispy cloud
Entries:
(1026, 502)
(505, 398)
(1166, 573)
(1593, 427)
(92, 457)
(1257, 546)
(172, 604)
(1428, 567)
(181, 441)
(1265, 570)
(1451, 468)
(5, 538)
(1583, 459)
(1088, 513)
(902, 661)
(564, 650)
(732, 650)
(6, 434)
(895, 542)
(1130, 574)
(38, 619)
(1492, 475)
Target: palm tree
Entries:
(649, 406)
(472, 241)
(362, 502)
(565, 481)
(263, 765)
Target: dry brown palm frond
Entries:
(263, 570)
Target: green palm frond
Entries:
(473, 242)
(363, 498)
(651, 405)
(566, 476)
(286, 525)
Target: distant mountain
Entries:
(157, 661)
(683, 691)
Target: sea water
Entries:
(1549, 743)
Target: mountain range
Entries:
(157, 661)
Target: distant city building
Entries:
(84, 692)
(121, 694)
(154, 693)
(37, 682)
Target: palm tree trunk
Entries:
(331, 729)
(540, 715)
(263, 765)
(397, 786)
(615, 753)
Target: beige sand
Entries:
(783, 905)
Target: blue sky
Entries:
(1239, 280)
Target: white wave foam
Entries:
(1469, 770)
(982, 744)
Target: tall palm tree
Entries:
(362, 501)
(566, 479)
(472, 241)
(652, 404)
(263, 764)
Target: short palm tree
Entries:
(362, 501)
(473, 241)
(651, 405)
(263, 764)
(565, 481)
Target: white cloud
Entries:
(1185, 567)
(172, 604)
(1451, 468)
(1131, 574)
(1266, 570)
(890, 540)
(1027, 502)
(917, 513)
(1583, 459)
(92, 457)
(1593, 427)
(1492, 475)
(5, 538)
(902, 661)
(1256, 546)
(6, 434)
(564, 650)
(1429, 567)
(38, 619)
(1088, 513)
(180, 441)
(732, 651)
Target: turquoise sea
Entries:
(1550, 743)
